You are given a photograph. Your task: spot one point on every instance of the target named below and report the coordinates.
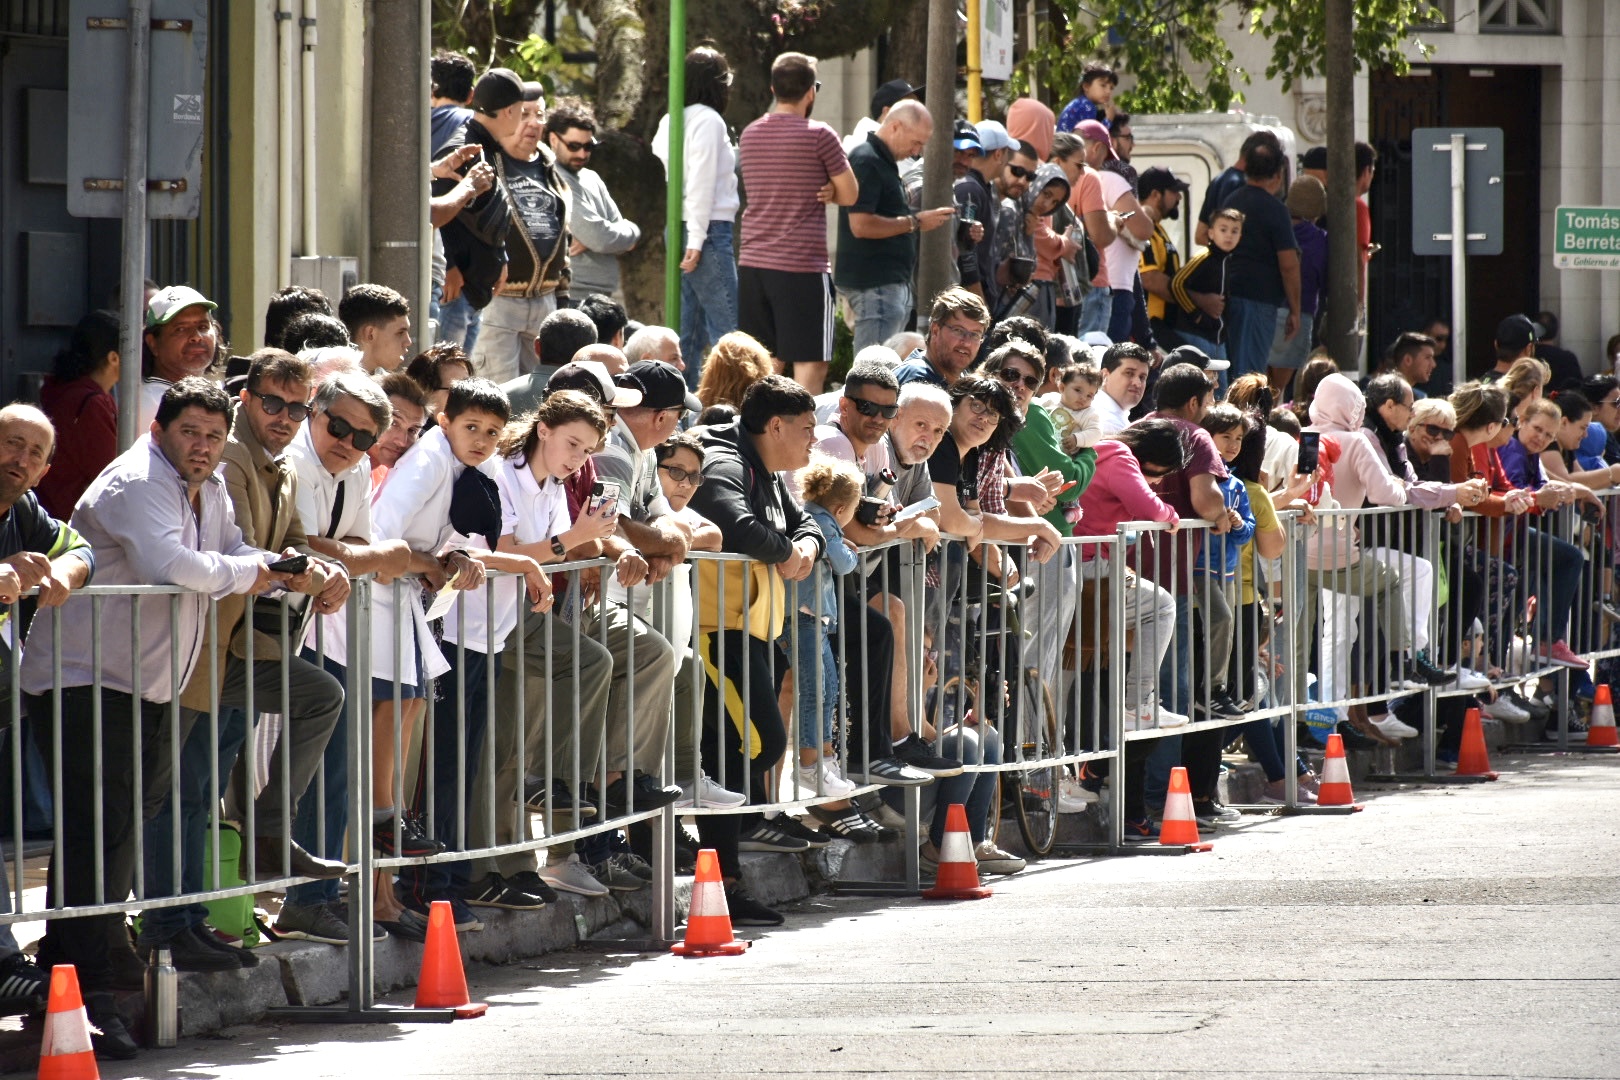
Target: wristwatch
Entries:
(558, 548)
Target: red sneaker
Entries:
(1559, 653)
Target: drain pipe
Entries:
(307, 70)
(284, 142)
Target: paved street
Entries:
(1446, 932)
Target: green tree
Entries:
(1158, 40)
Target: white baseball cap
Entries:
(167, 303)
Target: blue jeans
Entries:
(880, 313)
(1251, 327)
(1559, 564)
(1121, 304)
(1096, 309)
(196, 757)
(1175, 692)
(310, 824)
(708, 299)
(979, 745)
(817, 691)
(458, 322)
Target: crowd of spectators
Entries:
(1079, 376)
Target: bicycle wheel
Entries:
(1037, 786)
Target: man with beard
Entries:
(956, 327)
(1160, 191)
(181, 339)
(791, 167)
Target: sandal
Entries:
(848, 824)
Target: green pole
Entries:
(674, 249)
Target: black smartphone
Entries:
(1310, 446)
(295, 564)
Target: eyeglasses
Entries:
(577, 147)
(1020, 172)
(1012, 378)
(979, 406)
(273, 405)
(1437, 432)
(341, 429)
(683, 476)
(974, 336)
(818, 86)
(872, 408)
(1611, 402)
(1155, 473)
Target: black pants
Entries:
(83, 942)
(864, 650)
(739, 695)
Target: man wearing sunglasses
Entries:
(601, 234)
(976, 201)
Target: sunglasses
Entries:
(274, 405)
(684, 476)
(1012, 378)
(872, 408)
(1156, 473)
(1437, 432)
(576, 147)
(1020, 172)
(341, 429)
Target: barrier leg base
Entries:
(1307, 810)
(376, 1014)
(1073, 851)
(625, 945)
(1554, 748)
(1423, 778)
(873, 888)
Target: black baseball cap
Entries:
(890, 92)
(1159, 178)
(1518, 331)
(1198, 358)
(662, 387)
(499, 87)
(966, 137)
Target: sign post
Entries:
(1457, 211)
(1586, 238)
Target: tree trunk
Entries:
(1344, 261)
(934, 256)
(907, 55)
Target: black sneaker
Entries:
(561, 801)
(892, 772)
(496, 892)
(849, 824)
(768, 836)
(686, 850)
(188, 953)
(1223, 705)
(1429, 673)
(799, 831)
(918, 752)
(650, 794)
(212, 938)
(530, 882)
(410, 926)
(24, 988)
(413, 843)
(108, 1035)
(746, 911)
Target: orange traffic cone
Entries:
(442, 984)
(65, 1053)
(1180, 825)
(708, 919)
(1600, 729)
(1334, 788)
(1472, 757)
(958, 874)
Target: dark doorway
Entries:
(1403, 289)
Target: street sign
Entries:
(1431, 190)
(98, 117)
(1586, 238)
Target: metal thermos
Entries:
(162, 1000)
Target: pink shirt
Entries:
(1117, 493)
(785, 160)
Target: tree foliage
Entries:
(1163, 42)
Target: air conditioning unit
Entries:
(332, 274)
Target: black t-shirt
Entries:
(540, 212)
(976, 262)
(947, 466)
(1252, 272)
(868, 264)
(1219, 189)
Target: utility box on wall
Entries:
(332, 274)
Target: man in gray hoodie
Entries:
(600, 233)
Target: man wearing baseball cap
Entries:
(977, 202)
(1160, 192)
(1516, 336)
(181, 339)
(884, 98)
(1133, 227)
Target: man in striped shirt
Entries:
(792, 167)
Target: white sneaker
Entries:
(994, 860)
(1394, 727)
(822, 777)
(708, 793)
(571, 876)
(1072, 798)
(1167, 718)
(1469, 679)
(1504, 709)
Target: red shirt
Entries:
(785, 160)
(86, 421)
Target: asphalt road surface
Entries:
(1444, 932)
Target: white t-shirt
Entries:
(1121, 258)
(1111, 415)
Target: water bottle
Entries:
(162, 1000)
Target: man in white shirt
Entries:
(1125, 377)
(181, 339)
